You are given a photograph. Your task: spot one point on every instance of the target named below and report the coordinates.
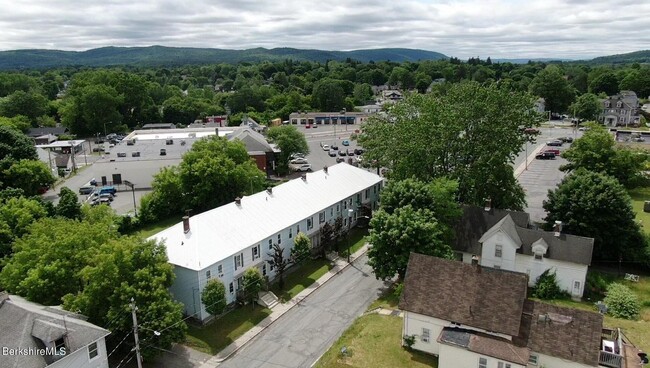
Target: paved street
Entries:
(306, 331)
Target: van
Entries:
(86, 189)
(107, 189)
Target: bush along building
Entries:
(226, 241)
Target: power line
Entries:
(118, 345)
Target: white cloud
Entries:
(496, 28)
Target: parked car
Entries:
(545, 156)
(332, 153)
(555, 143)
(297, 155)
(342, 153)
(566, 139)
(108, 189)
(326, 147)
(350, 152)
(303, 167)
(358, 151)
(99, 201)
(340, 159)
(299, 161)
(638, 139)
(556, 152)
(107, 195)
(87, 189)
(531, 131)
(307, 126)
(334, 147)
(345, 142)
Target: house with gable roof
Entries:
(473, 316)
(36, 336)
(506, 240)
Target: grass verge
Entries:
(357, 240)
(298, 280)
(373, 341)
(221, 332)
(639, 196)
(387, 300)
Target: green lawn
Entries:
(151, 229)
(638, 331)
(387, 300)
(220, 333)
(639, 195)
(305, 275)
(374, 341)
(357, 240)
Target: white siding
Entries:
(548, 361)
(508, 251)
(80, 358)
(567, 272)
(457, 357)
(186, 290)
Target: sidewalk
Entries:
(279, 310)
(522, 167)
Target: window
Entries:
(256, 252)
(345, 205)
(538, 256)
(239, 261)
(231, 288)
(374, 189)
(208, 275)
(425, 335)
(220, 270)
(279, 238)
(532, 359)
(351, 202)
(337, 208)
(297, 228)
(310, 223)
(358, 199)
(345, 222)
(270, 244)
(503, 365)
(482, 362)
(367, 193)
(498, 250)
(59, 346)
(264, 269)
(271, 266)
(321, 217)
(92, 350)
(290, 232)
(332, 212)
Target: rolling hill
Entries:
(170, 56)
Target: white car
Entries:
(298, 161)
(303, 167)
(326, 147)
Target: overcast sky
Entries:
(497, 28)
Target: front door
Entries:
(577, 288)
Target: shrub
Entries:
(596, 285)
(547, 287)
(409, 341)
(214, 297)
(622, 302)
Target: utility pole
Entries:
(135, 332)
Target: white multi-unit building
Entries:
(504, 239)
(226, 241)
(472, 316)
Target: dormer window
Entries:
(606, 103)
(619, 104)
(59, 346)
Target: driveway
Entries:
(306, 331)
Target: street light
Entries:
(350, 210)
(132, 186)
(343, 111)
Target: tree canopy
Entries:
(213, 297)
(453, 136)
(290, 141)
(557, 92)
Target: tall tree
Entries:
(279, 262)
(16, 215)
(253, 282)
(394, 236)
(29, 104)
(595, 205)
(69, 206)
(587, 107)
(301, 248)
(28, 175)
(328, 95)
(606, 83)
(289, 140)
(554, 88)
(453, 136)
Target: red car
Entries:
(555, 151)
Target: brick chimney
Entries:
(238, 201)
(304, 177)
(186, 224)
(269, 190)
(325, 169)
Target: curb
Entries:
(522, 167)
(218, 361)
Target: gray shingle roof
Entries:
(476, 296)
(37, 132)
(254, 141)
(485, 344)
(475, 222)
(28, 325)
(567, 333)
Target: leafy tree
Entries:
(637, 81)
(556, 91)
(596, 151)
(279, 262)
(29, 104)
(98, 106)
(301, 248)
(17, 213)
(16, 145)
(621, 302)
(47, 261)
(326, 235)
(213, 297)
(19, 122)
(69, 205)
(606, 83)
(362, 93)
(452, 136)
(28, 175)
(124, 269)
(394, 236)
(595, 205)
(328, 95)
(587, 107)
(547, 287)
(253, 282)
(290, 141)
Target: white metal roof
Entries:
(219, 233)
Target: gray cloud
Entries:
(496, 28)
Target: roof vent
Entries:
(186, 224)
(325, 169)
(488, 204)
(304, 177)
(557, 228)
(238, 201)
(269, 190)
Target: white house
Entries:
(35, 336)
(504, 239)
(472, 316)
(226, 241)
